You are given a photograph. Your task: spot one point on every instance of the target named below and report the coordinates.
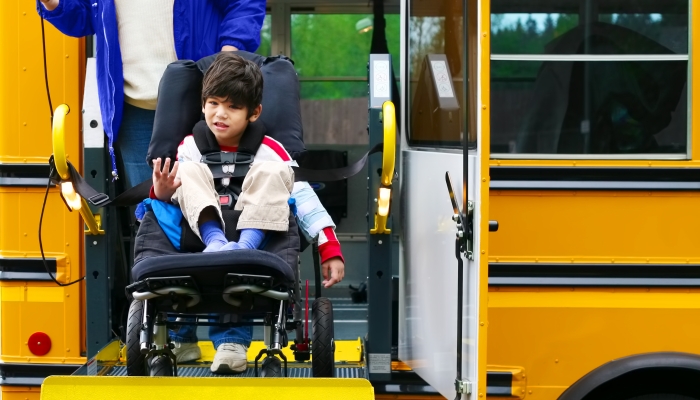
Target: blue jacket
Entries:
(201, 28)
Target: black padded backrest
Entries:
(179, 105)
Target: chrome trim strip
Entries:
(589, 57)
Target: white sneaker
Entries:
(185, 352)
(230, 358)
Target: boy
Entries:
(231, 103)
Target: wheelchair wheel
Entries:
(161, 365)
(135, 361)
(322, 345)
(271, 368)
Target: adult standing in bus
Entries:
(135, 41)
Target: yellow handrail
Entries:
(91, 220)
(73, 199)
(389, 154)
(58, 131)
(388, 166)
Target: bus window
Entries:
(330, 53)
(265, 38)
(437, 116)
(589, 79)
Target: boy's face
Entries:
(226, 120)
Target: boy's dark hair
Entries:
(234, 79)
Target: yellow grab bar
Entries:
(388, 165)
(91, 220)
(73, 199)
(389, 154)
(58, 131)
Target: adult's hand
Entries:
(50, 5)
(225, 48)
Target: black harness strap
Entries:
(84, 189)
(335, 174)
(212, 155)
(250, 141)
(221, 163)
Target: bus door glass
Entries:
(436, 130)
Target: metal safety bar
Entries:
(388, 166)
(72, 198)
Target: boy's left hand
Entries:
(335, 267)
(165, 181)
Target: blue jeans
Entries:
(218, 335)
(132, 143)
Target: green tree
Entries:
(328, 45)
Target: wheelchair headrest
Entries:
(179, 105)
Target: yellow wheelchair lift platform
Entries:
(106, 379)
(190, 388)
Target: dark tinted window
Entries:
(437, 58)
(590, 78)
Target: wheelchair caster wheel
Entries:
(162, 365)
(271, 368)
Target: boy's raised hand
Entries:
(333, 271)
(165, 181)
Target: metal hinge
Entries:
(470, 230)
(463, 387)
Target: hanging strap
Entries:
(138, 193)
(335, 174)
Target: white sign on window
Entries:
(382, 79)
(442, 79)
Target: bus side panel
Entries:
(595, 226)
(558, 335)
(559, 332)
(25, 120)
(30, 302)
(20, 393)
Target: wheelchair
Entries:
(242, 287)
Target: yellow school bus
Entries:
(594, 176)
(577, 123)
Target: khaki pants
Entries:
(263, 200)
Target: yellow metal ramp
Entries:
(185, 388)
